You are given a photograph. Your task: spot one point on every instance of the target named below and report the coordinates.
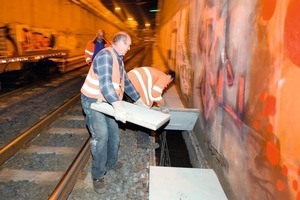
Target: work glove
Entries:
(140, 102)
(155, 108)
(164, 109)
(120, 111)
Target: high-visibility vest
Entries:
(150, 83)
(89, 51)
(91, 86)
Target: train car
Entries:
(21, 44)
(33, 31)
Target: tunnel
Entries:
(237, 65)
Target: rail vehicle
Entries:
(22, 46)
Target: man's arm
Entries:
(130, 89)
(103, 64)
(88, 53)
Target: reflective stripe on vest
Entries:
(148, 90)
(150, 85)
(89, 52)
(91, 87)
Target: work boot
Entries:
(99, 185)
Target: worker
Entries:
(94, 46)
(107, 81)
(150, 83)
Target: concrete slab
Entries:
(184, 183)
(139, 115)
(182, 119)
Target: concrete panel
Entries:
(184, 183)
(182, 119)
(141, 116)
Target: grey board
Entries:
(182, 119)
(141, 116)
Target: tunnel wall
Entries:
(238, 63)
(70, 25)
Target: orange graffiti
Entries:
(262, 96)
(270, 128)
(230, 74)
(241, 96)
(220, 86)
(255, 125)
(285, 170)
(298, 196)
(270, 107)
(280, 185)
(273, 155)
(259, 115)
(295, 185)
(291, 32)
(268, 8)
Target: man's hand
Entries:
(120, 111)
(140, 102)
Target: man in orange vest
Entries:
(94, 46)
(107, 81)
(150, 83)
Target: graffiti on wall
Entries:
(179, 53)
(246, 68)
(226, 83)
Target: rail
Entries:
(68, 181)
(14, 146)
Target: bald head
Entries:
(121, 43)
(100, 35)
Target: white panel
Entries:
(141, 116)
(182, 119)
(168, 183)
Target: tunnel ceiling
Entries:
(140, 10)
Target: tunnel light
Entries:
(147, 25)
(117, 8)
(155, 10)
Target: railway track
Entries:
(42, 147)
(42, 158)
(48, 156)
